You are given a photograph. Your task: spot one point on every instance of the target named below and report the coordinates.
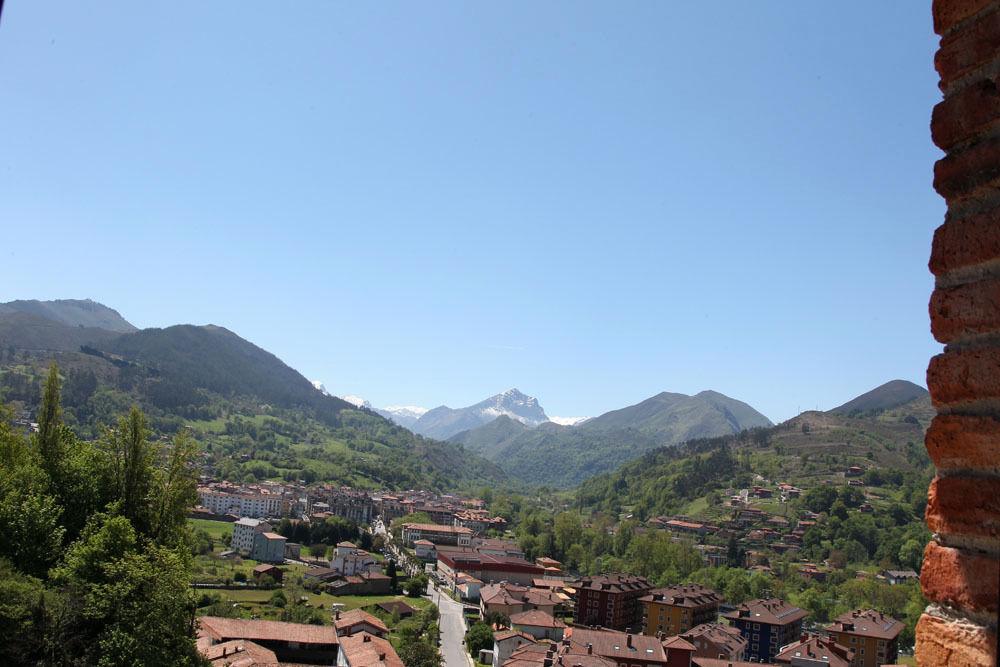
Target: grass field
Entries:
(215, 529)
(256, 602)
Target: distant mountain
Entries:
(487, 439)
(443, 422)
(357, 401)
(558, 455)
(404, 415)
(320, 387)
(72, 312)
(568, 421)
(884, 397)
(27, 331)
(253, 415)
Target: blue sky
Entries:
(428, 203)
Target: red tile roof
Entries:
(772, 611)
(348, 620)
(819, 649)
(223, 629)
(537, 619)
(867, 623)
(238, 653)
(687, 595)
(365, 650)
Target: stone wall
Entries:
(961, 571)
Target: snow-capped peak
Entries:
(515, 405)
(407, 410)
(357, 401)
(568, 421)
(320, 387)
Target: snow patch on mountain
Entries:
(568, 421)
(320, 387)
(357, 401)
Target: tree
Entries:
(49, 437)
(479, 636)
(416, 653)
(415, 586)
(130, 458)
(390, 570)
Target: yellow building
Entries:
(870, 634)
(671, 611)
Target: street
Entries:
(452, 629)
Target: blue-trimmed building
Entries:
(767, 625)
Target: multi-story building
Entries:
(871, 634)
(767, 625)
(438, 534)
(268, 547)
(245, 533)
(507, 599)
(622, 649)
(487, 568)
(677, 609)
(238, 501)
(611, 601)
(717, 641)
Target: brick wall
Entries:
(961, 572)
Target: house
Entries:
(348, 559)
(268, 547)
(677, 609)
(767, 625)
(238, 653)
(468, 587)
(813, 651)
(244, 533)
(323, 574)
(508, 599)
(397, 607)
(366, 650)
(290, 642)
(538, 624)
(366, 583)
(485, 567)
(623, 649)
(611, 601)
(895, 577)
(715, 640)
(354, 621)
(548, 563)
(497, 547)
(293, 550)
(266, 570)
(425, 550)
(505, 642)
(871, 634)
(854, 471)
(679, 651)
(437, 534)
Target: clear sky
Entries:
(428, 203)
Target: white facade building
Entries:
(244, 533)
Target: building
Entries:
(358, 620)
(677, 609)
(715, 640)
(611, 601)
(349, 560)
(240, 501)
(437, 534)
(508, 599)
(425, 550)
(366, 583)
(767, 625)
(679, 651)
(290, 642)
(505, 642)
(871, 634)
(238, 653)
(815, 651)
(895, 577)
(268, 547)
(266, 570)
(538, 624)
(621, 648)
(366, 650)
(485, 567)
(244, 534)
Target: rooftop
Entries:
(223, 629)
(867, 623)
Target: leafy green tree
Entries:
(50, 431)
(479, 636)
(415, 653)
(416, 586)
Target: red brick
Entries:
(949, 12)
(961, 376)
(960, 579)
(954, 643)
(966, 242)
(965, 114)
(964, 311)
(969, 48)
(961, 174)
(964, 506)
(958, 442)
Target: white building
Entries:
(244, 533)
(245, 503)
(349, 560)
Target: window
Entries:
(756, 626)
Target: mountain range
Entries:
(254, 415)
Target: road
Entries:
(452, 629)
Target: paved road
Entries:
(452, 629)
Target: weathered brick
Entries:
(966, 242)
(965, 114)
(949, 12)
(964, 506)
(964, 50)
(961, 174)
(959, 442)
(954, 643)
(960, 579)
(966, 310)
(962, 376)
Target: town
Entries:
(495, 605)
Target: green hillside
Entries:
(486, 440)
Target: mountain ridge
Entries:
(443, 422)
